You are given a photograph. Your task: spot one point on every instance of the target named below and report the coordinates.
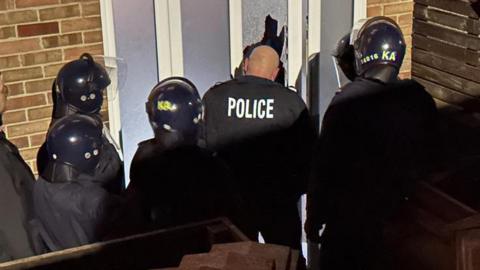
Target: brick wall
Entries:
(402, 12)
(36, 38)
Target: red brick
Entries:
(398, 8)
(38, 139)
(231, 261)
(49, 99)
(374, 11)
(28, 128)
(15, 89)
(374, 2)
(37, 29)
(405, 75)
(29, 154)
(74, 25)
(9, 62)
(74, 53)
(19, 46)
(14, 117)
(33, 167)
(16, 17)
(7, 32)
(405, 19)
(40, 113)
(280, 254)
(59, 12)
(104, 115)
(6, 4)
(407, 30)
(74, 1)
(92, 37)
(22, 74)
(34, 3)
(26, 102)
(52, 70)
(41, 57)
(44, 85)
(89, 9)
(20, 142)
(62, 40)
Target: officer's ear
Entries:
(245, 65)
(275, 73)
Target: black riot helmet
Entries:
(80, 85)
(75, 141)
(379, 44)
(345, 57)
(174, 107)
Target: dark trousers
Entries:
(278, 222)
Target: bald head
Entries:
(263, 62)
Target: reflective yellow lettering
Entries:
(385, 55)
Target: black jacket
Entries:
(70, 214)
(376, 141)
(16, 181)
(175, 186)
(264, 132)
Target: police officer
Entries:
(16, 180)
(71, 208)
(377, 139)
(344, 60)
(79, 89)
(264, 132)
(173, 180)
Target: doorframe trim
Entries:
(168, 28)
(236, 34)
(110, 50)
(359, 10)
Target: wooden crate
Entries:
(158, 249)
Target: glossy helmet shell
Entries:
(174, 105)
(80, 84)
(378, 42)
(75, 140)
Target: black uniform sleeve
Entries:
(208, 130)
(324, 164)
(305, 136)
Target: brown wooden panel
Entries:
(457, 6)
(446, 64)
(448, 95)
(441, 205)
(446, 79)
(446, 50)
(449, 19)
(468, 250)
(445, 34)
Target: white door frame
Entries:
(359, 10)
(168, 25)
(109, 50)
(236, 41)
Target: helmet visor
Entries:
(117, 71)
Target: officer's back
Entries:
(71, 207)
(256, 124)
